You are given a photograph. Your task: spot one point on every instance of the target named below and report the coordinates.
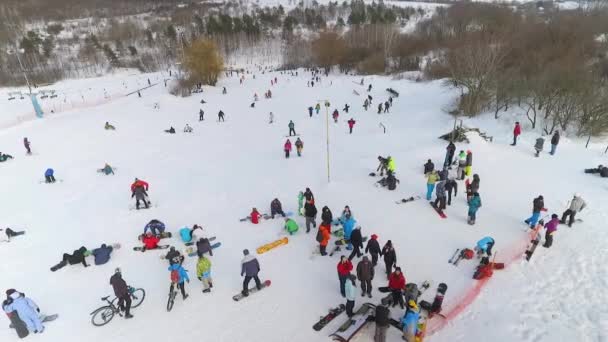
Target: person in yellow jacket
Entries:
(431, 178)
(391, 164)
(203, 272)
(291, 226)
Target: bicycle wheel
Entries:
(102, 316)
(137, 297)
(171, 300)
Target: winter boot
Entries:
(186, 296)
(206, 290)
(128, 316)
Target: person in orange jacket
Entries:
(137, 183)
(287, 148)
(325, 236)
(255, 216)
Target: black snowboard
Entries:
(333, 313)
(143, 249)
(18, 324)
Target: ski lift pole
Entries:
(327, 104)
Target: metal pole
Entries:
(23, 71)
(327, 133)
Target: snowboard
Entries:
(333, 251)
(534, 243)
(163, 235)
(18, 324)
(43, 318)
(56, 181)
(439, 212)
(248, 218)
(344, 242)
(458, 258)
(191, 243)
(287, 136)
(267, 247)
(333, 313)
(192, 252)
(143, 249)
(454, 256)
(143, 207)
(252, 290)
(405, 200)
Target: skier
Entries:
(449, 154)
(410, 321)
(174, 256)
(250, 267)
(201, 115)
(290, 226)
(351, 124)
(270, 118)
(602, 170)
(350, 294)
(323, 236)
(121, 291)
(187, 234)
(49, 176)
(469, 163)
(577, 204)
(26, 143)
(187, 129)
(310, 111)
(450, 185)
(102, 254)
(287, 148)
(326, 216)
(365, 273)
(474, 205)
(4, 157)
(310, 214)
(390, 257)
(356, 240)
(107, 126)
(292, 127)
(220, 116)
(26, 309)
(386, 106)
(203, 273)
(317, 108)
(335, 115)
(429, 167)
(538, 146)
(516, 133)
(538, 205)
(373, 248)
(150, 241)
(396, 285)
(380, 108)
(382, 319)
(462, 163)
(203, 246)
(431, 179)
(255, 216)
(344, 267)
(484, 247)
(440, 193)
(299, 146)
(77, 257)
(346, 107)
(551, 228)
(107, 169)
(171, 130)
(178, 276)
(554, 142)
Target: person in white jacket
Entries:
(350, 290)
(576, 205)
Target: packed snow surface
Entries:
(215, 175)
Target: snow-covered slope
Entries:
(215, 175)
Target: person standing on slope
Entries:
(178, 277)
(468, 169)
(538, 146)
(538, 205)
(220, 116)
(350, 291)
(554, 142)
(516, 133)
(121, 291)
(351, 124)
(344, 267)
(356, 240)
(449, 155)
(373, 248)
(292, 128)
(462, 163)
(431, 179)
(450, 185)
(409, 322)
(299, 146)
(250, 267)
(140, 195)
(382, 319)
(203, 272)
(270, 118)
(26, 144)
(26, 309)
(551, 228)
(310, 109)
(365, 273)
(474, 205)
(201, 115)
(287, 148)
(577, 204)
(390, 257)
(310, 214)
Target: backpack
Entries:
(319, 237)
(468, 254)
(175, 276)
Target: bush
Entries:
(202, 62)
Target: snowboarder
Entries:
(554, 142)
(602, 170)
(150, 241)
(4, 157)
(220, 116)
(516, 133)
(369, 88)
(484, 247)
(346, 107)
(449, 154)
(468, 169)
(49, 176)
(178, 277)
(276, 208)
(577, 204)
(77, 257)
(155, 226)
(390, 257)
(431, 179)
(102, 254)
(287, 148)
(356, 240)
(344, 267)
(171, 130)
(109, 127)
(335, 115)
(270, 118)
(26, 143)
(429, 167)
(299, 146)
(174, 256)
(326, 216)
(538, 146)
(290, 226)
(310, 214)
(187, 234)
(107, 169)
(450, 185)
(121, 291)
(551, 228)
(440, 194)
(365, 273)
(187, 129)
(201, 115)
(474, 205)
(396, 285)
(462, 163)
(292, 127)
(310, 109)
(373, 248)
(26, 309)
(255, 216)
(250, 267)
(351, 124)
(350, 291)
(382, 319)
(538, 204)
(410, 321)
(380, 108)
(203, 273)
(140, 194)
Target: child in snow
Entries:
(178, 276)
(484, 247)
(551, 228)
(255, 216)
(49, 176)
(323, 237)
(201, 115)
(26, 309)
(276, 208)
(150, 241)
(287, 148)
(474, 205)
(291, 226)
(299, 146)
(187, 234)
(203, 272)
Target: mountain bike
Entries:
(104, 314)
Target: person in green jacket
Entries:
(203, 272)
(291, 226)
(432, 178)
(301, 203)
(391, 164)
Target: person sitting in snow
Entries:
(4, 157)
(390, 181)
(155, 226)
(203, 246)
(276, 208)
(170, 130)
(108, 126)
(102, 254)
(291, 226)
(140, 194)
(602, 170)
(49, 176)
(187, 234)
(107, 169)
(187, 129)
(150, 241)
(255, 216)
(25, 308)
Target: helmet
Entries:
(412, 304)
(117, 270)
(172, 248)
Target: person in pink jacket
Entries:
(287, 148)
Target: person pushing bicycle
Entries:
(121, 290)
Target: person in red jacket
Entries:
(255, 216)
(396, 284)
(150, 241)
(137, 183)
(325, 236)
(516, 133)
(344, 268)
(287, 148)
(351, 123)
(335, 115)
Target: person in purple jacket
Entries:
(551, 227)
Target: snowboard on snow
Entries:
(387, 300)
(333, 313)
(454, 256)
(354, 324)
(266, 216)
(345, 242)
(18, 324)
(333, 251)
(192, 251)
(143, 207)
(439, 212)
(143, 248)
(252, 290)
(43, 318)
(405, 200)
(534, 242)
(191, 243)
(163, 235)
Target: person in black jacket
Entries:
(356, 241)
(554, 142)
(373, 248)
(450, 185)
(602, 170)
(538, 204)
(78, 257)
(382, 319)
(428, 167)
(203, 246)
(276, 208)
(390, 257)
(174, 256)
(310, 213)
(326, 216)
(121, 290)
(449, 154)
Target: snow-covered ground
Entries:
(215, 175)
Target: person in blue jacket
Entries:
(155, 226)
(182, 277)
(26, 309)
(484, 246)
(474, 205)
(409, 321)
(187, 234)
(348, 222)
(102, 254)
(49, 175)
